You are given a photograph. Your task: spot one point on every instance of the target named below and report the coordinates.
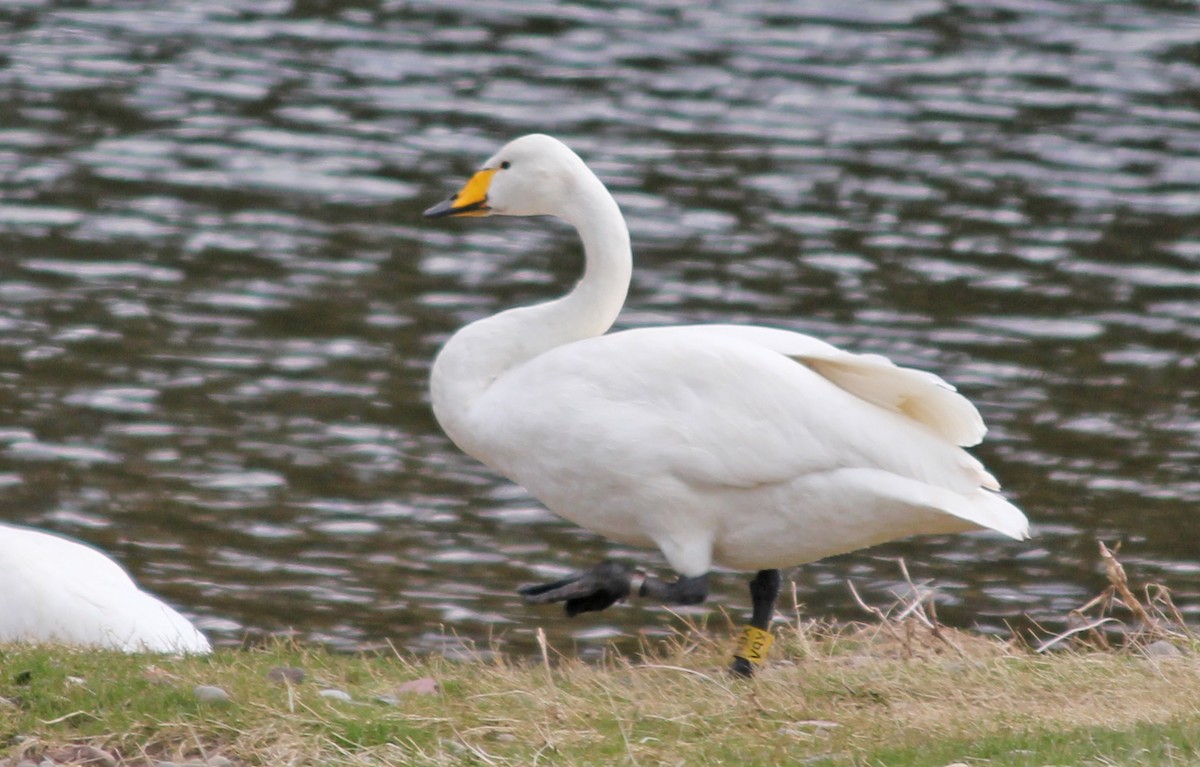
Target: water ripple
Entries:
(219, 303)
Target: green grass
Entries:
(866, 696)
(1172, 743)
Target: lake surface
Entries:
(219, 302)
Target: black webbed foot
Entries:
(587, 591)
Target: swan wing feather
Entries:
(918, 394)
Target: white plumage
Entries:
(56, 590)
(747, 447)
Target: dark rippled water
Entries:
(218, 301)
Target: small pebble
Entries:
(207, 693)
(80, 754)
(390, 700)
(27, 763)
(156, 675)
(286, 675)
(336, 695)
(423, 686)
(1163, 649)
(219, 761)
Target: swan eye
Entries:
(505, 165)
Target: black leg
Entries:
(610, 582)
(764, 590)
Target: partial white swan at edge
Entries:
(60, 591)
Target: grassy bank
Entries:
(899, 692)
(892, 694)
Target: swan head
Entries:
(534, 175)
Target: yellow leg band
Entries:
(754, 645)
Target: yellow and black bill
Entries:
(471, 200)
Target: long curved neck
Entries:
(483, 351)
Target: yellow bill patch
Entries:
(471, 200)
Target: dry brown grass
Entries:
(900, 689)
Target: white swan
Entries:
(56, 590)
(747, 447)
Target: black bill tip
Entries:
(442, 209)
(447, 208)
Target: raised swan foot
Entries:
(589, 590)
(609, 582)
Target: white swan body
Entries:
(746, 447)
(55, 590)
